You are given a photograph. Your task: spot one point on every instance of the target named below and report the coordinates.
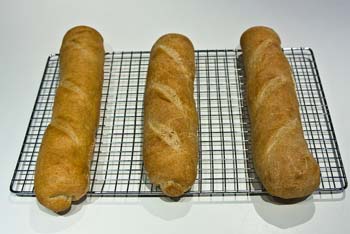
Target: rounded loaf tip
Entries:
(82, 31)
(174, 36)
(81, 28)
(298, 186)
(257, 34)
(174, 40)
(172, 189)
(58, 203)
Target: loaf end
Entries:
(255, 35)
(295, 185)
(172, 189)
(171, 38)
(81, 29)
(58, 203)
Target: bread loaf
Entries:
(170, 145)
(63, 164)
(281, 157)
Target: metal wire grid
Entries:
(225, 165)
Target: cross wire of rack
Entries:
(225, 163)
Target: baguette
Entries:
(170, 147)
(63, 165)
(281, 157)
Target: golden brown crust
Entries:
(62, 170)
(281, 158)
(170, 145)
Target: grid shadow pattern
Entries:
(225, 165)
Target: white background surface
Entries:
(31, 30)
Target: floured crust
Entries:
(281, 158)
(62, 170)
(170, 148)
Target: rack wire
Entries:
(225, 164)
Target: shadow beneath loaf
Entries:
(49, 222)
(167, 208)
(282, 213)
(160, 206)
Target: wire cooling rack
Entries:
(225, 165)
